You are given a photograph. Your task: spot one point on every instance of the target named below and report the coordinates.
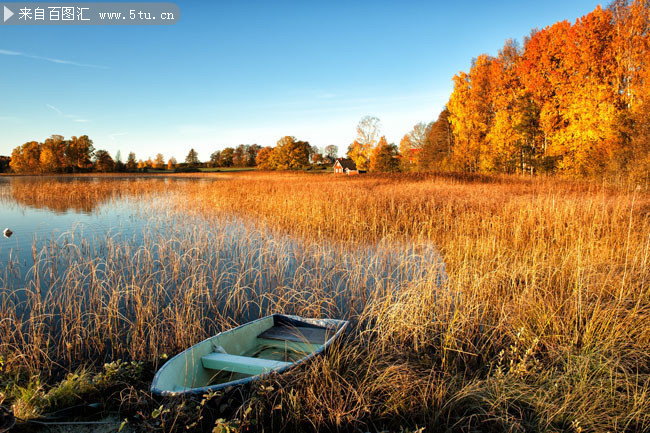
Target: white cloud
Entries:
(54, 108)
(74, 117)
(50, 59)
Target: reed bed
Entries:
(539, 319)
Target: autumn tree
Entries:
(103, 162)
(501, 149)
(384, 157)
(251, 154)
(171, 164)
(411, 146)
(470, 114)
(638, 97)
(418, 135)
(215, 159)
(159, 162)
(239, 156)
(264, 160)
(192, 158)
(438, 144)
(591, 105)
(544, 75)
(361, 149)
(631, 47)
(291, 154)
(131, 164)
(227, 157)
(26, 158)
(79, 152)
(357, 153)
(52, 158)
(405, 147)
(331, 150)
(531, 148)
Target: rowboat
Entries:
(272, 344)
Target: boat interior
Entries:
(268, 344)
(276, 348)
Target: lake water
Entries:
(64, 239)
(40, 220)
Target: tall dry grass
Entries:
(541, 325)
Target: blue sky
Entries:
(251, 72)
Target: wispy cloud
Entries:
(116, 134)
(50, 59)
(74, 117)
(54, 108)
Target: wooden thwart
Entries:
(240, 364)
(299, 334)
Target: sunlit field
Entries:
(478, 303)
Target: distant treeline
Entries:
(241, 156)
(57, 155)
(78, 155)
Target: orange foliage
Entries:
(574, 100)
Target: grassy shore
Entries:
(543, 322)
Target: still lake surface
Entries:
(58, 237)
(37, 221)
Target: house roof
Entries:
(347, 163)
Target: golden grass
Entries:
(543, 323)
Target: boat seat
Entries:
(299, 334)
(240, 364)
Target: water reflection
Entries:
(79, 194)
